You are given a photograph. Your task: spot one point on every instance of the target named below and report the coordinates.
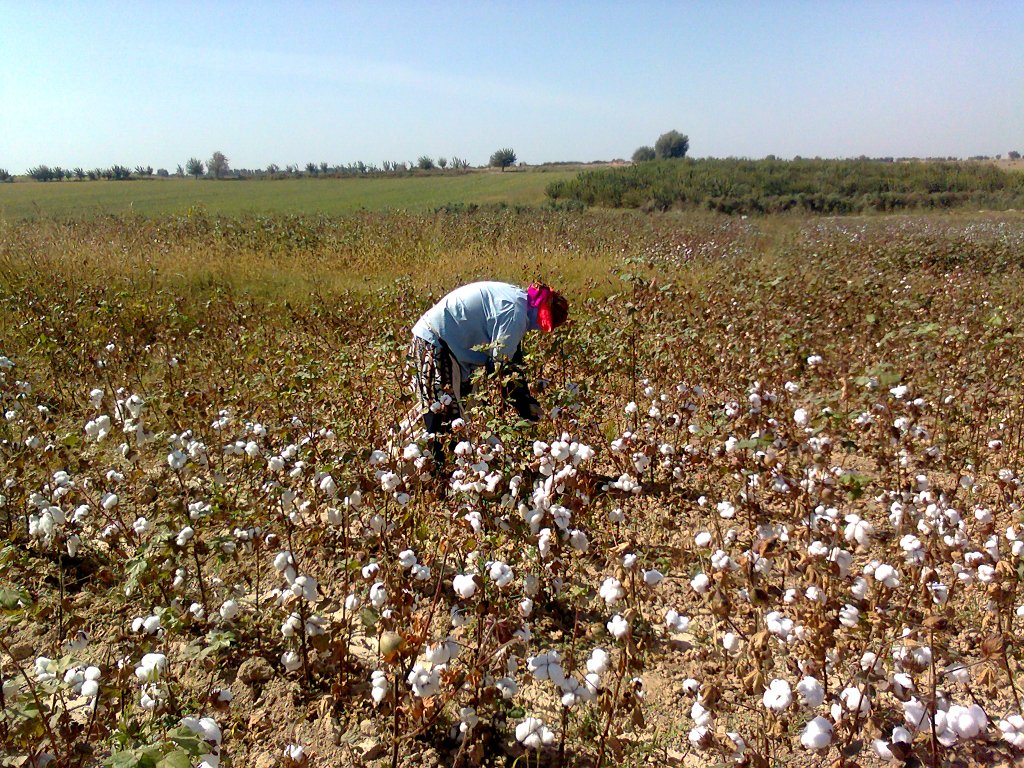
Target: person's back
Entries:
(478, 322)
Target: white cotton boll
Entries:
(702, 540)
(800, 417)
(532, 733)
(887, 575)
(849, 616)
(598, 662)
(185, 536)
(731, 642)
(150, 667)
(611, 591)
(379, 686)
(699, 714)
(653, 577)
(294, 752)
(578, 540)
(525, 607)
(817, 734)
(778, 695)
(501, 574)
(853, 699)
(407, 558)
(726, 510)
(290, 661)
(464, 586)
(424, 682)
(675, 622)
(368, 571)
(229, 610)
(378, 595)
(811, 692)
(967, 722)
(616, 515)
(700, 583)
(1012, 729)
(618, 627)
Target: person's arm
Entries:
(516, 390)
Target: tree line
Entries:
(218, 167)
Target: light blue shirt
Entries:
(479, 322)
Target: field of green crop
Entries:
(152, 197)
(774, 514)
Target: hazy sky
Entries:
(154, 83)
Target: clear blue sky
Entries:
(154, 83)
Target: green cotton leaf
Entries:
(176, 759)
(14, 600)
(188, 741)
(369, 617)
(129, 759)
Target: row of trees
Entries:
(218, 167)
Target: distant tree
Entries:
(324, 168)
(195, 168)
(503, 158)
(40, 173)
(643, 154)
(57, 173)
(273, 168)
(459, 164)
(217, 165)
(1013, 154)
(311, 169)
(94, 174)
(5, 176)
(671, 144)
(180, 171)
(162, 173)
(425, 163)
(120, 173)
(79, 173)
(143, 170)
(442, 162)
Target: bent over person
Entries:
(480, 325)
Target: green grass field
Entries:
(26, 199)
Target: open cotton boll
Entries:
(532, 733)
(464, 586)
(618, 627)
(817, 734)
(611, 591)
(778, 696)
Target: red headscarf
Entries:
(539, 296)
